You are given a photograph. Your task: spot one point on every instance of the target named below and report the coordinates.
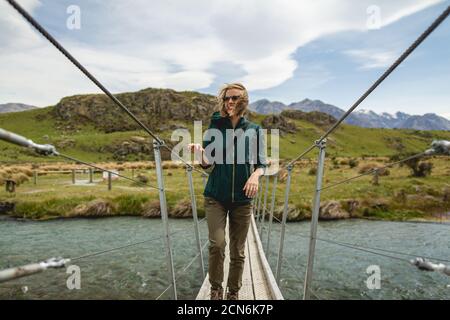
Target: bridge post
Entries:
(204, 179)
(164, 216)
(314, 220)
(194, 214)
(272, 207)
(261, 224)
(283, 223)
(258, 205)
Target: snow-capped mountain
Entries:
(363, 117)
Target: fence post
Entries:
(283, 223)
(314, 220)
(91, 179)
(261, 224)
(375, 181)
(195, 216)
(204, 179)
(164, 216)
(109, 181)
(35, 175)
(73, 176)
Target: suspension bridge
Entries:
(259, 281)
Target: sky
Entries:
(284, 50)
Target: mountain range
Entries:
(361, 118)
(15, 107)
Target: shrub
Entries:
(371, 167)
(141, 178)
(353, 163)
(94, 208)
(312, 171)
(419, 169)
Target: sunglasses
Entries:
(232, 98)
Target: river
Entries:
(140, 272)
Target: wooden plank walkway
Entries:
(258, 282)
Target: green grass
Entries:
(92, 145)
(55, 195)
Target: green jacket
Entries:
(227, 179)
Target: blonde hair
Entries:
(242, 104)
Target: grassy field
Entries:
(398, 196)
(90, 144)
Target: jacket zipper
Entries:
(232, 183)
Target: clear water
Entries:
(140, 272)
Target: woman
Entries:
(231, 185)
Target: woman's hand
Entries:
(195, 148)
(251, 186)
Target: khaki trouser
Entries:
(239, 219)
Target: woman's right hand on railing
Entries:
(195, 148)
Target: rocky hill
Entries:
(154, 107)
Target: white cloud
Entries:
(371, 59)
(133, 45)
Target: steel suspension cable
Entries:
(300, 277)
(367, 248)
(180, 274)
(399, 60)
(50, 38)
(373, 170)
(72, 59)
(405, 54)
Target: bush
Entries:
(141, 178)
(353, 163)
(312, 171)
(371, 167)
(419, 169)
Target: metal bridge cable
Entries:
(184, 161)
(374, 248)
(181, 273)
(373, 170)
(99, 168)
(50, 38)
(405, 54)
(191, 262)
(363, 248)
(118, 248)
(308, 150)
(385, 250)
(170, 286)
(300, 277)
